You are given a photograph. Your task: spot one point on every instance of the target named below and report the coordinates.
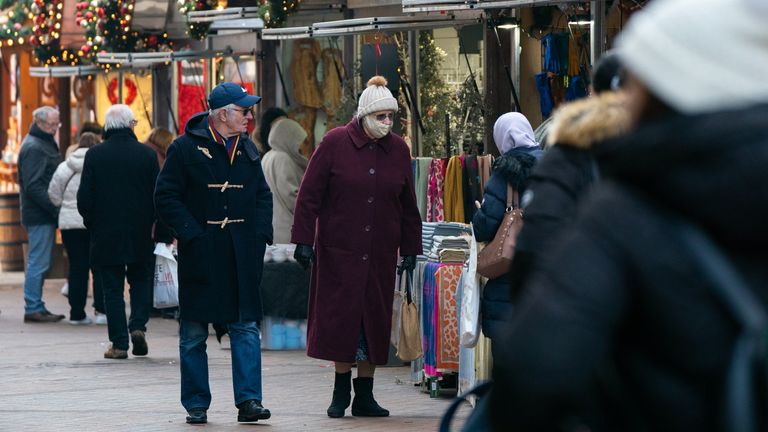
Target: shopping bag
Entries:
(397, 310)
(166, 283)
(409, 346)
(469, 324)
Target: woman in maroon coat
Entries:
(357, 206)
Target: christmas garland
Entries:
(107, 25)
(273, 12)
(16, 30)
(46, 33)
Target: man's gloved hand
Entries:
(407, 262)
(304, 255)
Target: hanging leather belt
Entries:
(226, 221)
(225, 186)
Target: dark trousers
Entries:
(77, 244)
(112, 278)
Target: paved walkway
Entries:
(53, 377)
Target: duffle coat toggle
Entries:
(225, 186)
(225, 221)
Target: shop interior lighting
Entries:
(223, 14)
(506, 23)
(580, 22)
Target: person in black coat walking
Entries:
(621, 330)
(513, 136)
(115, 200)
(212, 194)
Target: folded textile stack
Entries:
(429, 230)
(457, 248)
(453, 256)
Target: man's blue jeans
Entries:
(246, 363)
(38, 262)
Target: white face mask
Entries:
(376, 129)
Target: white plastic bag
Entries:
(469, 321)
(166, 277)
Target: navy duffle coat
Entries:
(220, 264)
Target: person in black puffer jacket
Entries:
(621, 330)
(513, 135)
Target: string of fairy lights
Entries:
(106, 26)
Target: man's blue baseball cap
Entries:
(230, 93)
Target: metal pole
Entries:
(120, 86)
(597, 30)
(413, 73)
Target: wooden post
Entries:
(65, 116)
(498, 96)
(30, 96)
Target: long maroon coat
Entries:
(359, 194)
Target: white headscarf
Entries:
(512, 130)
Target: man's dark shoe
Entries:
(251, 411)
(139, 343)
(47, 312)
(42, 317)
(197, 416)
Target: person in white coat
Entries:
(62, 190)
(284, 168)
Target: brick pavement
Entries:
(53, 377)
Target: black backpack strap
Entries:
(742, 386)
(479, 391)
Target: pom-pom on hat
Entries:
(376, 97)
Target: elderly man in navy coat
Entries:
(212, 193)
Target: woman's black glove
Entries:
(304, 255)
(408, 263)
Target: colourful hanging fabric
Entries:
(447, 352)
(485, 163)
(454, 192)
(435, 191)
(421, 180)
(430, 319)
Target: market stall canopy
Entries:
(287, 33)
(410, 6)
(367, 25)
(63, 71)
(126, 59)
(216, 15)
(150, 15)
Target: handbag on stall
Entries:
(409, 345)
(495, 259)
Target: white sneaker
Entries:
(84, 321)
(100, 319)
(65, 289)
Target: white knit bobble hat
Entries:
(700, 55)
(376, 97)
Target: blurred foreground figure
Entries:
(620, 331)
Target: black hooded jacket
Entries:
(621, 298)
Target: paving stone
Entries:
(53, 377)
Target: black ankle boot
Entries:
(364, 404)
(342, 388)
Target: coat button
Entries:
(371, 171)
(365, 257)
(370, 200)
(367, 227)
(371, 147)
(225, 207)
